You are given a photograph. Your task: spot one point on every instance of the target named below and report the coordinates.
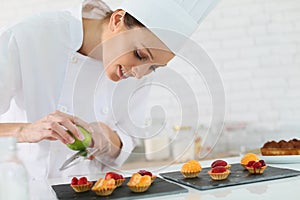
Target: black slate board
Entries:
(237, 176)
(159, 187)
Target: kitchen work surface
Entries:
(277, 189)
(159, 187)
(238, 176)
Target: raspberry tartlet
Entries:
(119, 179)
(256, 167)
(219, 173)
(104, 187)
(249, 157)
(139, 183)
(220, 163)
(191, 169)
(81, 185)
(145, 172)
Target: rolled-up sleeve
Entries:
(9, 69)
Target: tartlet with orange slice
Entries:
(104, 187)
(139, 183)
(191, 169)
(145, 172)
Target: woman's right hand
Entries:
(53, 127)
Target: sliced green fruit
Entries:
(79, 145)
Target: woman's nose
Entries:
(140, 71)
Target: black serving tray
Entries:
(159, 187)
(237, 176)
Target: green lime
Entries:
(79, 145)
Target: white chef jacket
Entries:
(41, 71)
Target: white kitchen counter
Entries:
(279, 189)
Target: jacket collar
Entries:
(76, 27)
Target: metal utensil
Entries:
(77, 157)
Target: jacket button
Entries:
(105, 110)
(74, 59)
(63, 108)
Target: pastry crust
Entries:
(82, 188)
(191, 169)
(280, 148)
(279, 151)
(104, 187)
(219, 176)
(256, 170)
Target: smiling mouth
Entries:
(122, 73)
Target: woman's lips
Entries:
(122, 73)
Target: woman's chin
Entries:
(114, 78)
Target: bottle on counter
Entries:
(183, 143)
(157, 145)
(13, 175)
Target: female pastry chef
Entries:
(51, 62)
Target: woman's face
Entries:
(133, 52)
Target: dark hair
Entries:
(129, 20)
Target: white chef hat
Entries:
(162, 17)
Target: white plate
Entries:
(281, 159)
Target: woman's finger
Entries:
(66, 120)
(59, 130)
(52, 135)
(83, 124)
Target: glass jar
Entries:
(183, 143)
(157, 144)
(13, 175)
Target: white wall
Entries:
(256, 46)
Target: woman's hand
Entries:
(105, 140)
(53, 127)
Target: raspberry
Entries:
(218, 163)
(218, 169)
(82, 181)
(250, 163)
(74, 181)
(257, 165)
(113, 175)
(262, 162)
(144, 172)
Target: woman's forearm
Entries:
(12, 129)
(106, 139)
(116, 144)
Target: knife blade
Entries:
(71, 161)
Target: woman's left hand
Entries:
(105, 140)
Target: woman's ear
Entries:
(116, 21)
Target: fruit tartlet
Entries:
(222, 163)
(219, 173)
(248, 157)
(104, 187)
(81, 185)
(145, 172)
(119, 179)
(256, 167)
(139, 183)
(191, 169)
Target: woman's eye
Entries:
(152, 68)
(139, 56)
